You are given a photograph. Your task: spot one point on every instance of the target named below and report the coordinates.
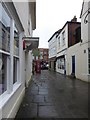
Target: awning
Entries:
(31, 43)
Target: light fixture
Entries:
(85, 20)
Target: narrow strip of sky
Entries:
(51, 15)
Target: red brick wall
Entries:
(71, 33)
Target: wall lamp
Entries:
(85, 19)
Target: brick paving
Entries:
(52, 95)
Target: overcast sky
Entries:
(51, 15)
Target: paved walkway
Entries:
(52, 95)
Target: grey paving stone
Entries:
(27, 111)
(43, 92)
(47, 111)
(48, 99)
(34, 88)
(34, 92)
(46, 104)
(38, 98)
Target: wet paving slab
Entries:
(52, 95)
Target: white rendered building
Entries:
(17, 22)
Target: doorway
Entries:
(73, 65)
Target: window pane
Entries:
(3, 73)
(63, 38)
(15, 70)
(16, 42)
(4, 30)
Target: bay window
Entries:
(9, 51)
(4, 47)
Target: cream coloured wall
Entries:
(85, 28)
(28, 59)
(81, 61)
(22, 9)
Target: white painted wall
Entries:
(23, 12)
(85, 28)
(10, 102)
(81, 60)
(28, 59)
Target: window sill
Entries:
(6, 96)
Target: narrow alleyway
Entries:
(52, 95)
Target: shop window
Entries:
(3, 73)
(16, 54)
(61, 63)
(15, 69)
(4, 30)
(16, 41)
(4, 47)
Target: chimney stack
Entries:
(74, 19)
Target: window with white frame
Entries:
(3, 73)
(89, 60)
(15, 69)
(59, 42)
(4, 47)
(63, 38)
(16, 54)
(7, 48)
(60, 62)
(16, 41)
